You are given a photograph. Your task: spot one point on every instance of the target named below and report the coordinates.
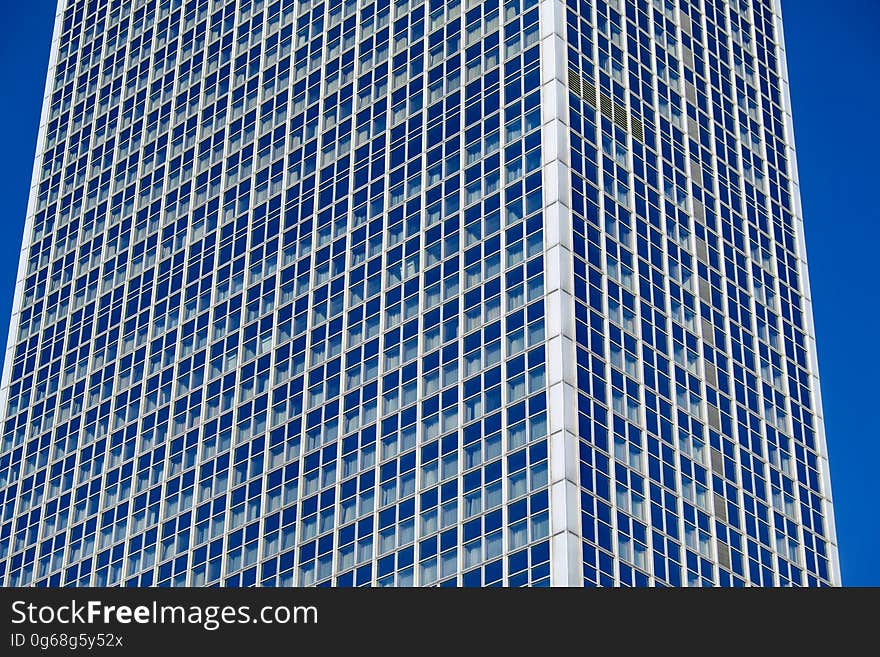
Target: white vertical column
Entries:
(565, 546)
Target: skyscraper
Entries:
(407, 292)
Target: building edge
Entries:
(812, 352)
(566, 567)
(21, 274)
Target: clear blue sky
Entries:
(833, 66)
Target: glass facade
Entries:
(700, 436)
(409, 293)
